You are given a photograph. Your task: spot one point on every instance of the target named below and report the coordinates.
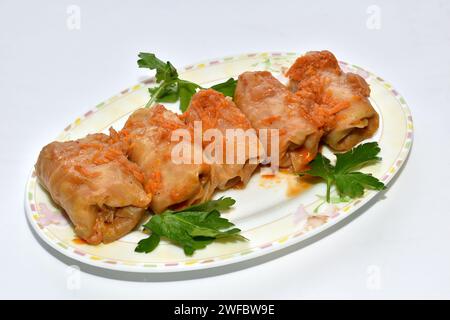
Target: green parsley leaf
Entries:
(167, 93)
(171, 88)
(186, 90)
(321, 167)
(352, 184)
(227, 88)
(357, 157)
(165, 71)
(349, 183)
(192, 228)
(220, 204)
(149, 244)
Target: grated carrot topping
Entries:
(271, 119)
(85, 172)
(153, 182)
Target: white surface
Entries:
(397, 248)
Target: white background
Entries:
(49, 75)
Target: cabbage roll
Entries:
(268, 104)
(174, 184)
(338, 101)
(93, 181)
(215, 111)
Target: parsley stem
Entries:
(155, 95)
(328, 190)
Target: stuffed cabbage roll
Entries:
(338, 101)
(93, 181)
(236, 152)
(174, 182)
(268, 104)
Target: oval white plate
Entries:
(273, 213)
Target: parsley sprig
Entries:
(171, 88)
(349, 182)
(192, 228)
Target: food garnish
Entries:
(192, 228)
(171, 88)
(348, 182)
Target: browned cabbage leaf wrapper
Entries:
(268, 104)
(337, 101)
(92, 180)
(173, 185)
(215, 111)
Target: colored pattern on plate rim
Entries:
(42, 216)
